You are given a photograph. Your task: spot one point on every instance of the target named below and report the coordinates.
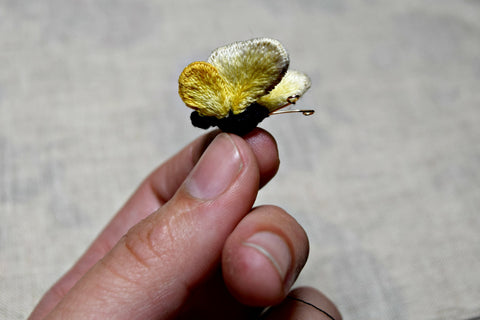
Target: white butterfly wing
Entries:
(292, 86)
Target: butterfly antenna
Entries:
(305, 112)
(292, 100)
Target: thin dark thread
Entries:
(312, 305)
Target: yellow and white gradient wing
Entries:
(252, 68)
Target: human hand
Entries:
(188, 244)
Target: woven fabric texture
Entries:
(385, 177)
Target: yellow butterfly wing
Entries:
(292, 86)
(202, 88)
(252, 68)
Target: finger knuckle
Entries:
(139, 246)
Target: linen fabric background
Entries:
(385, 177)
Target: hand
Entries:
(188, 244)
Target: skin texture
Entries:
(188, 244)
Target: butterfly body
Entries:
(240, 85)
(240, 124)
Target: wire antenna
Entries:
(305, 112)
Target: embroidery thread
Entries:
(240, 85)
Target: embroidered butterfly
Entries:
(240, 85)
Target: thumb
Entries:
(152, 270)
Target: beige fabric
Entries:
(385, 177)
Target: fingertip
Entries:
(265, 149)
(252, 277)
(263, 256)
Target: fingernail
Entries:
(274, 248)
(216, 170)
